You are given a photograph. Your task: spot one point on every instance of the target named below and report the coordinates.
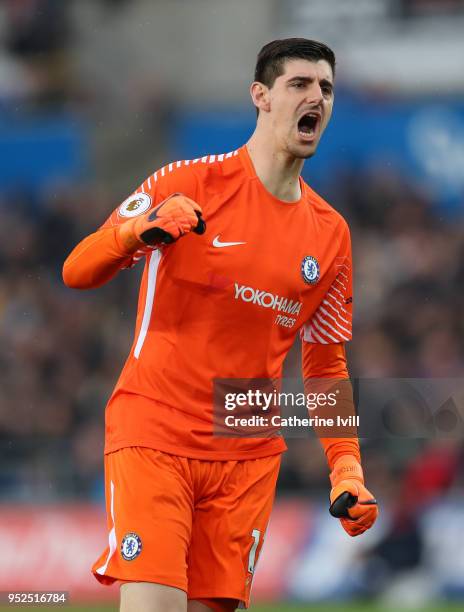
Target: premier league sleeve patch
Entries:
(131, 546)
(135, 205)
(310, 270)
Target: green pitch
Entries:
(284, 607)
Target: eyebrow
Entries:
(307, 79)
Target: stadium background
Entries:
(94, 96)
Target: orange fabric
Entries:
(329, 361)
(134, 414)
(220, 605)
(210, 309)
(190, 532)
(323, 360)
(95, 260)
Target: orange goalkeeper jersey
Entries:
(226, 304)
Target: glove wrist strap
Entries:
(346, 468)
(127, 237)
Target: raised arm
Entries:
(96, 260)
(154, 215)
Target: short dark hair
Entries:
(272, 57)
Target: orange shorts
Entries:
(188, 523)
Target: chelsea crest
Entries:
(310, 270)
(131, 546)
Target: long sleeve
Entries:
(95, 260)
(100, 256)
(328, 361)
(323, 352)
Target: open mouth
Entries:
(307, 125)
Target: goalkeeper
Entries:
(241, 256)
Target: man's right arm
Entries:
(96, 260)
(140, 224)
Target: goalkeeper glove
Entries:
(350, 501)
(175, 216)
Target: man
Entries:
(187, 511)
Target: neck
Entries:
(278, 171)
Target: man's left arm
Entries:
(325, 369)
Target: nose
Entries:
(314, 96)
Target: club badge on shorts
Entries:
(131, 546)
(310, 270)
(135, 205)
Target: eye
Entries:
(298, 85)
(327, 90)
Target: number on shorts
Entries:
(256, 534)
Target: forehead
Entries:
(319, 69)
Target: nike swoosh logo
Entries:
(217, 243)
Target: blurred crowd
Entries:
(61, 350)
(35, 65)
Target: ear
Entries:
(260, 96)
